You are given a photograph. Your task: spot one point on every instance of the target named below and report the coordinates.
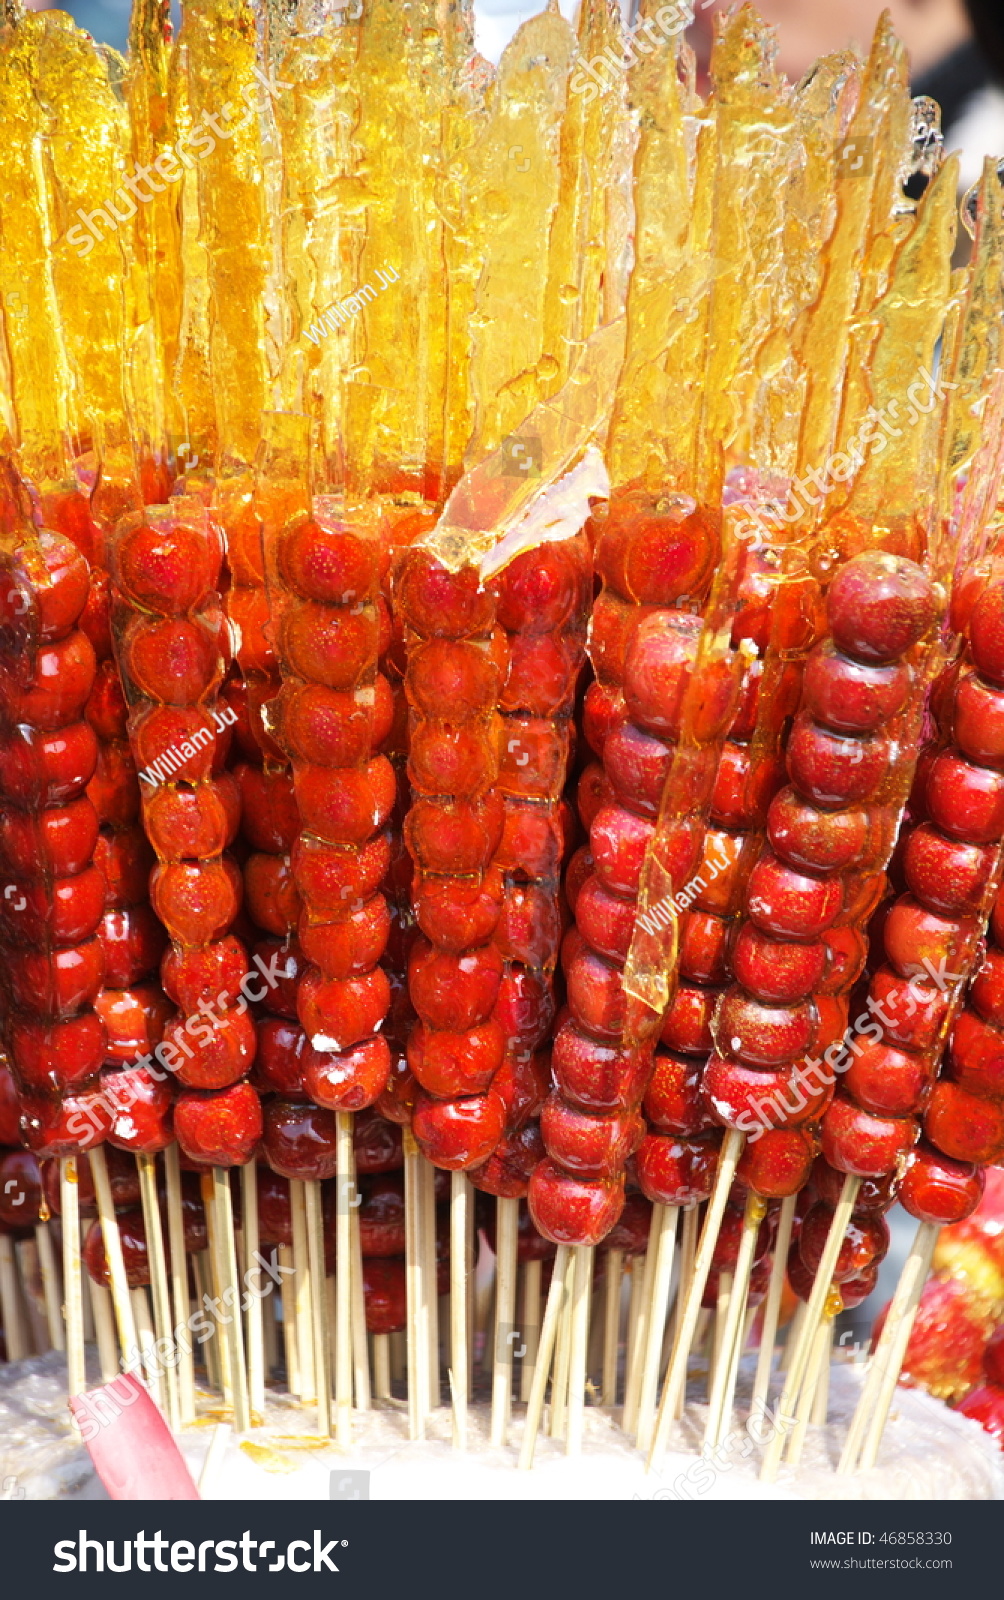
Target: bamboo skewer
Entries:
(638, 1330)
(818, 1359)
(727, 1364)
(722, 1303)
(360, 1344)
(772, 1306)
(794, 1334)
(179, 1286)
(795, 1376)
(318, 1307)
(14, 1322)
(119, 1283)
(872, 1410)
(232, 1340)
(301, 1294)
(148, 1347)
(459, 1365)
(506, 1241)
(417, 1356)
(545, 1350)
(104, 1330)
(530, 1327)
(73, 1283)
(346, 1199)
(51, 1292)
(676, 1377)
(430, 1297)
(255, 1324)
(147, 1167)
(821, 1401)
(578, 1345)
(664, 1225)
(210, 1347)
(688, 1257)
(217, 1348)
(381, 1366)
(562, 1356)
(611, 1327)
(288, 1302)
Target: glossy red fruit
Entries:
(762, 1036)
(77, 1121)
(134, 1021)
(618, 841)
(10, 1115)
(299, 1140)
(746, 1098)
(56, 985)
(459, 914)
(58, 583)
(919, 943)
(834, 770)
(214, 973)
(185, 734)
(280, 1058)
(348, 1080)
(376, 1143)
(125, 860)
(595, 994)
(602, 709)
(195, 900)
(687, 1024)
(570, 1210)
(789, 904)
(47, 768)
(630, 1233)
(874, 1194)
(977, 1056)
(978, 721)
(986, 993)
(866, 1238)
(142, 1106)
(132, 1236)
(59, 840)
(703, 948)
(448, 1064)
(879, 605)
(849, 696)
(986, 1406)
(657, 668)
(187, 824)
(173, 662)
(508, 1170)
(586, 1145)
(133, 942)
(965, 1126)
(937, 1189)
(60, 686)
(993, 1359)
(777, 1164)
(52, 1057)
(458, 1134)
(673, 1100)
(946, 875)
(452, 836)
(986, 633)
(338, 1013)
(676, 1172)
(857, 1142)
(219, 1129)
(776, 971)
(606, 921)
(822, 841)
(965, 801)
(597, 1075)
(210, 1056)
(887, 1081)
(346, 806)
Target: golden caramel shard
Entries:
(514, 194)
(223, 93)
(978, 344)
(39, 418)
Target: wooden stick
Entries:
(270, 1336)
(611, 1327)
(254, 1331)
(418, 1358)
(73, 1277)
(506, 1244)
(232, 1336)
(146, 1165)
(530, 1327)
(318, 1308)
(772, 1307)
(51, 1291)
(545, 1350)
(795, 1376)
(345, 1201)
(430, 1297)
(179, 1287)
(459, 1268)
(90, 1332)
(562, 1359)
(639, 1331)
(15, 1325)
(794, 1334)
(291, 1351)
(664, 1224)
(209, 1476)
(147, 1345)
(722, 1303)
(202, 1279)
(821, 1402)
(865, 1433)
(688, 1257)
(360, 1343)
(118, 1282)
(727, 1364)
(676, 1377)
(818, 1358)
(577, 1348)
(381, 1366)
(301, 1293)
(634, 1329)
(104, 1330)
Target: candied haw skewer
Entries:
(167, 626)
(53, 899)
(457, 663)
(542, 601)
